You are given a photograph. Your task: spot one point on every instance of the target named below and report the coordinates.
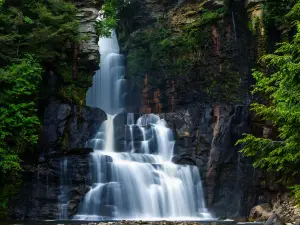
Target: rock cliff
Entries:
(88, 50)
(206, 104)
(62, 153)
(205, 101)
(66, 127)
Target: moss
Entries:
(81, 119)
(207, 17)
(72, 94)
(6, 191)
(74, 90)
(64, 140)
(177, 47)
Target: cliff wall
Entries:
(191, 62)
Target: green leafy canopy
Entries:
(44, 28)
(35, 36)
(18, 121)
(279, 83)
(109, 17)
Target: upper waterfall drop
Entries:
(109, 84)
(140, 182)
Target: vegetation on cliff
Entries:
(183, 45)
(36, 36)
(109, 17)
(277, 82)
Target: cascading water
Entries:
(63, 198)
(108, 84)
(141, 182)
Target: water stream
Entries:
(63, 198)
(140, 182)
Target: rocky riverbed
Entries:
(129, 223)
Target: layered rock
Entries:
(282, 205)
(206, 125)
(67, 127)
(62, 155)
(39, 197)
(88, 50)
(206, 137)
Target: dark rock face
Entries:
(65, 130)
(39, 196)
(206, 137)
(206, 126)
(88, 54)
(261, 212)
(274, 220)
(66, 127)
(226, 56)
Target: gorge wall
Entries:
(66, 126)
(206, 104)
(201, 92)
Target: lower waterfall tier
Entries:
(142, 186)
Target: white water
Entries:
(141, 183)
(63, 198)
(108, 83)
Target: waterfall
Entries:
(63, 198)
(108, 83)
(141, 182)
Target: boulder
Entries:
(183, 160)
(251, 3)
(261, 212)
(274, 220)
(67, 127)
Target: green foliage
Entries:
(138, 62)
(28, 20)
(208, 17)
(73, 94)
(18, 121)
(10, 188)
(74, 90)
(166, 53)
(274, 12)
(83, 80)
(159, 48)
(296, 190)
(279, 84)
(19, 125)
(45, 29)
(109, 17)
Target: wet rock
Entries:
(206, 137)
(67, 127)
(88, 56)
(251, 3)
(183, 160)
(261, 212)
(286, 207)
(39, 195)
(274, 220)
